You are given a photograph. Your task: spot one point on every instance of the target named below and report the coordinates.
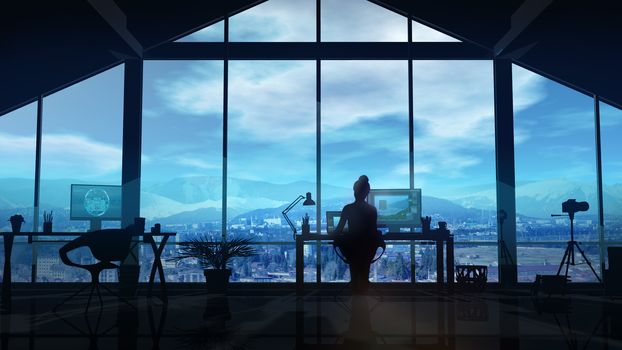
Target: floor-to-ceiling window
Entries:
(555, 161)
(81, 143)
(364, 132)
(17, 154)
(455, 156)
(181, 176)
(364, 120)
(271, 161)
(271, 150)
(610, 129)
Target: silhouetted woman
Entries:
(361, 240)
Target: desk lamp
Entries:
(308, 201)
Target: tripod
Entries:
(504, 253)
(569, 254)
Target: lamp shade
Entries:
(308, 200)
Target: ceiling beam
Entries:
(115, 17)
(321, 51)
(520, 20)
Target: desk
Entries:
(438, 236)
(147, 237)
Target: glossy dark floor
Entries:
(424, 320)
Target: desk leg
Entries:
(299, 265)
(157, 266)
(440, 270)
(6, 281)
(450, 262)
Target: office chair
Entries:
(344, 245)
(106, 245)
(344, 242)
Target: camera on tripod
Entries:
(571, 206)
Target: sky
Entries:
(272, 115)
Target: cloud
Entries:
(568, 122)
(275, 20)
(454, 114)
(17, 154)
(211, 33)
(353, 20)
(294, 21)
(355, 91)
(609, 115)
(150, 113)
(423, 33)
(273, 102)
(197, 91)
(62, 156)
(571, 151)
(66, 155)
(529, 88)
(196, 163)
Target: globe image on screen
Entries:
(96, 202)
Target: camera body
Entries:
(571, 206)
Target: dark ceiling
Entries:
(46, 45)
(575, 42)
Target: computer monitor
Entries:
(332, 219)
(95, 202)
(399, 210)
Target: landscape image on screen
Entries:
(395, 208)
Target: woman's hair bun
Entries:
(362, 184)
(364, 178)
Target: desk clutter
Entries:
(102, 244)
(471, 276)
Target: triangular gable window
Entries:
(361, 20)
(275, 21)
(423, 33)
(212, 33)
(294, 21)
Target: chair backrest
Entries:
(106, 245)
(344, 246)
(109, 244)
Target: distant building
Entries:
(109, 275)
(51, 269)
(191, 277)
(273, 221)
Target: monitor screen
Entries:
(332, 220)
(397, 209)
(95, 202)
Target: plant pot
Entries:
(217, 280)
(16, 226)
(47, 227)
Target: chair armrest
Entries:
(74, 244)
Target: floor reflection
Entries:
(213, 332)
(424, 320)
(360, 334)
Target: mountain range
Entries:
(198, 199)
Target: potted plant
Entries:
(16, 223)
(215, 257)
